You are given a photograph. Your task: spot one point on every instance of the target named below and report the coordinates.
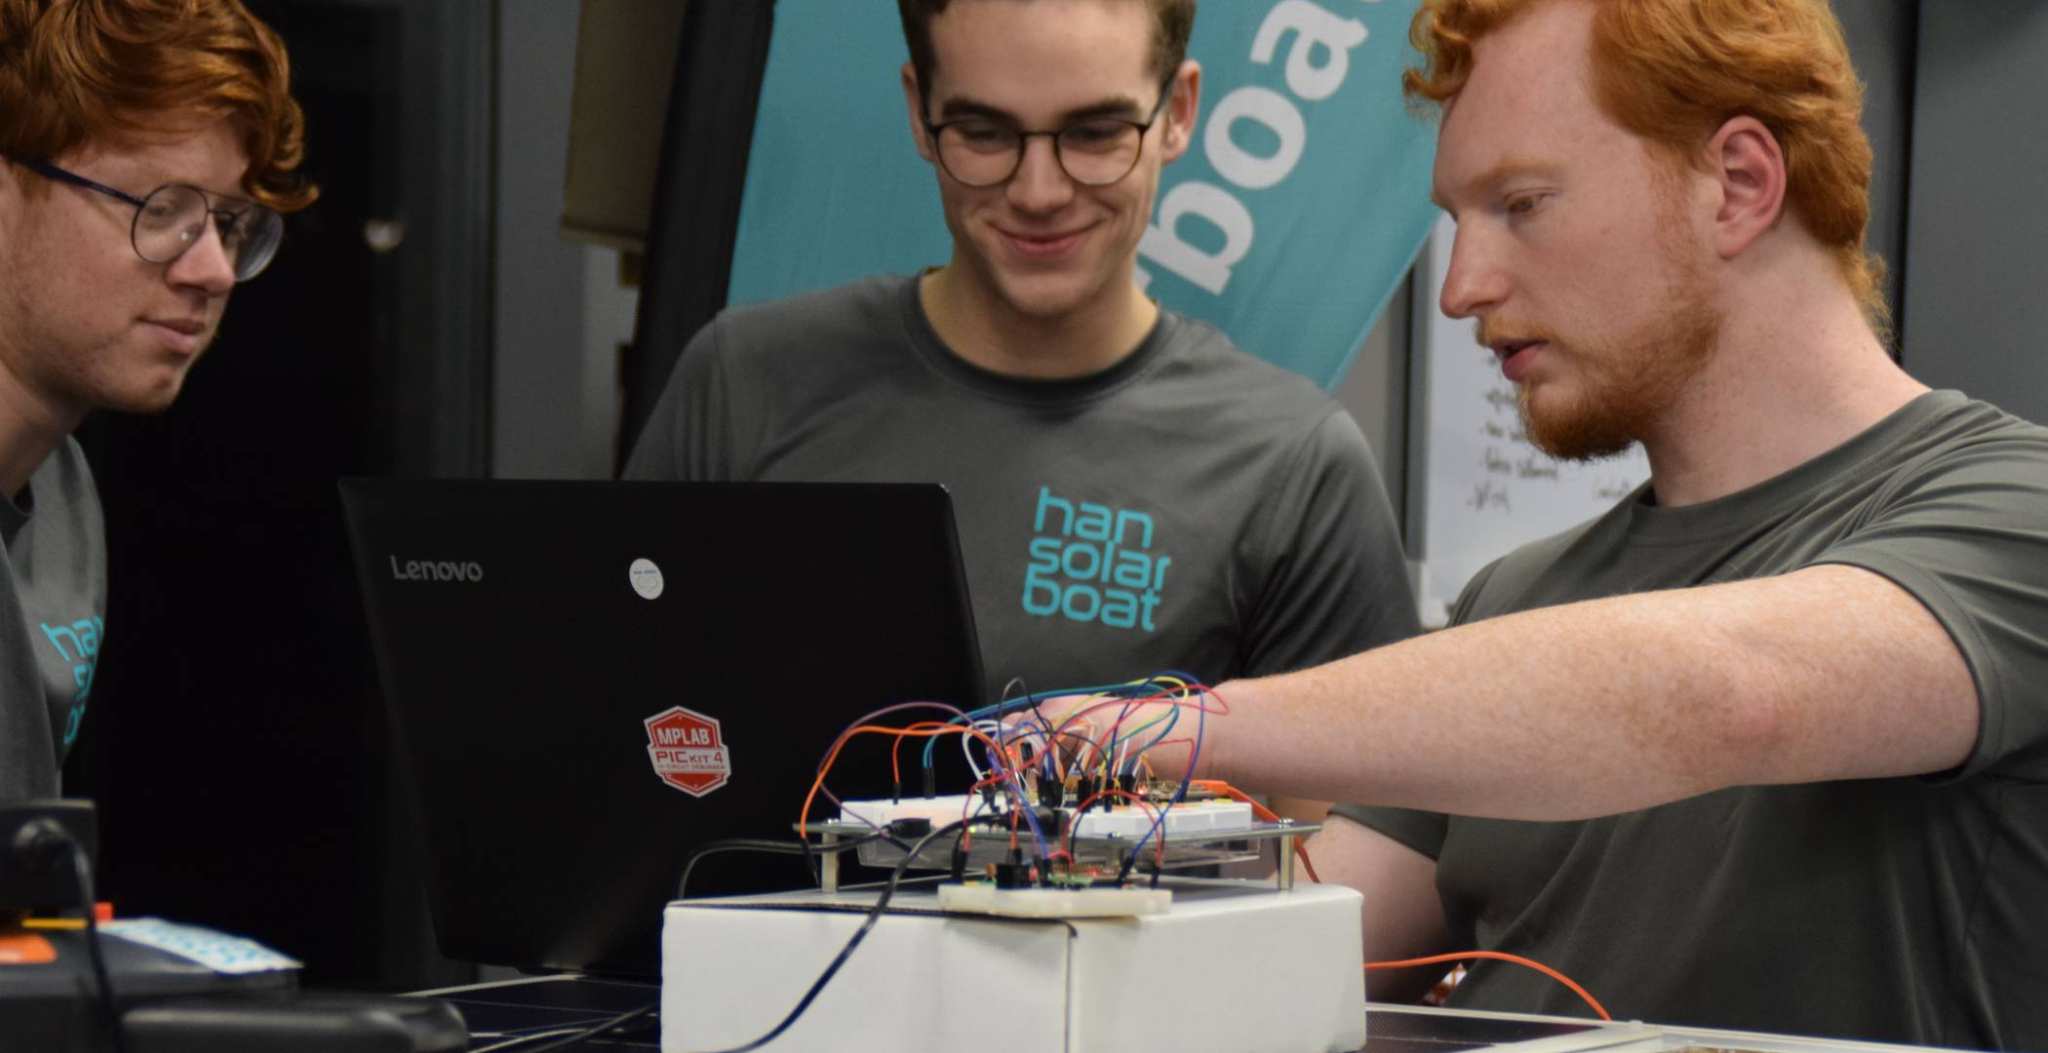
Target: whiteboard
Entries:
(1485, 489)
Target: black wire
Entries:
(780, 848)
(747, 844)
(585, 1035)
(737, 844)
(958, 827)
(83, 865)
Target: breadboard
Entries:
(1126, 821)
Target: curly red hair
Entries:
(79, 71)
(1674, 71)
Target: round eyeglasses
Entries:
(983, 152)
(172, 218)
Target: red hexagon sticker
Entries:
(687, 750)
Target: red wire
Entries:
(1159, 843)
(1499, 956)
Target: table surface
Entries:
(504, 1011)
(499, 1012)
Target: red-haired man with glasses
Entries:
(148, 150)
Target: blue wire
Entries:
(1132, 692)
(1020, 702)
(1180, 792)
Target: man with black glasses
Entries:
(147, 152)
(1133, 492)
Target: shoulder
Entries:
(1232, 394)
(1956, 445)
(1199, 352)
(808, 324)
(1940, 420)
(1502, 587)
(67, 502)
(1954, 423)
(65, 480)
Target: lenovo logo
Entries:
(435, 570)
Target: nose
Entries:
(1040, 184)
(1474, 282)
(205, 265)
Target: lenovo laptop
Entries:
(588, 681)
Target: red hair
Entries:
(79, 71)
(1673, 71)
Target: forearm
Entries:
(1612, 705)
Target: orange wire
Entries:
(1499, 956)
(896, 749)
(1262, 812)
(967, 806)
(803, 817)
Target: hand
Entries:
(1160, 724)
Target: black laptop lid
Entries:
(588, 680)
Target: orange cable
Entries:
(896, 748)
(803, 817)
(1499, 956)
(1260, 811)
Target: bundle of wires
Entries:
(1111, 761)
(1106, 758)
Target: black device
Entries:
(61, 988)
(36, 842)
(590, 680)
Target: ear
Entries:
(1748, 168)
(1183, 110)
(913, 103)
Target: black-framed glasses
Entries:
(172, 218)
(985, 152)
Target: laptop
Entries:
(589, 680)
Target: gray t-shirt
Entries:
(53, 603)
(1189, 508)
(1903, 910)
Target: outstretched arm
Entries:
(1593, 708)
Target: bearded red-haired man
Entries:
(1764, 746)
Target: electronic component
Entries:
(1050, 914)
(1126, 821)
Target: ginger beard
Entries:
(1624, 383)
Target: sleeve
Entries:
(1421, 831)
(687, 437)
(1968, 538)
(1336, 579)
(1468, 597)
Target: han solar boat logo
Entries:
(688, 750)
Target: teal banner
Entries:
(1289, 223)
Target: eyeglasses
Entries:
(983, 152)
(172, 218)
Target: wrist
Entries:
(1214, 761)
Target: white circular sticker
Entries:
(646, 579)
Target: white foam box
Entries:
(1224, 970)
